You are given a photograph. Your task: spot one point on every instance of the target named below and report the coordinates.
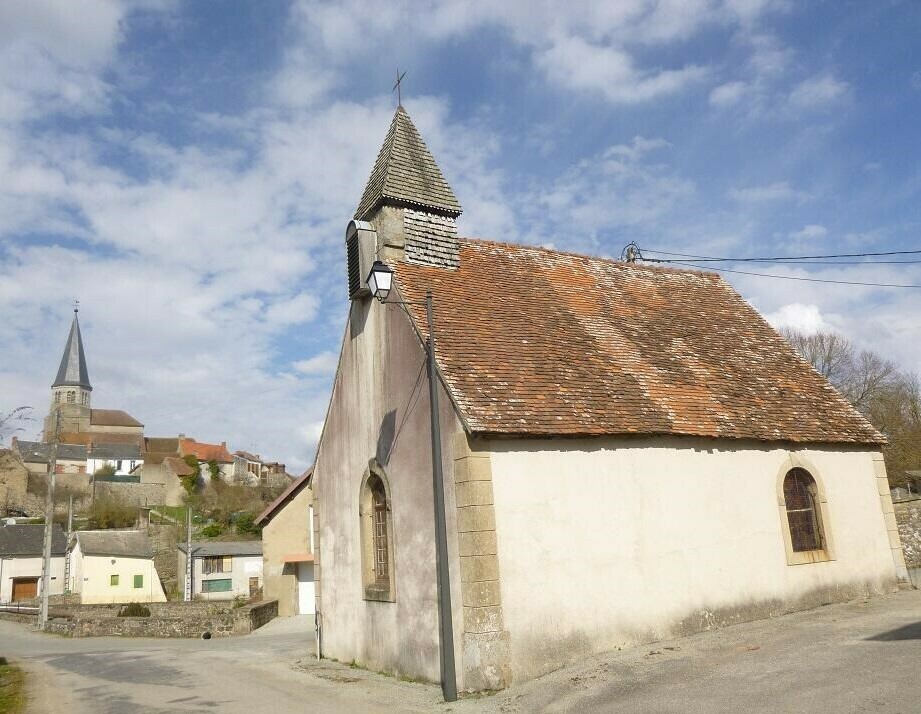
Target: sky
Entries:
(187, 171)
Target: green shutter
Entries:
(217, 586)
(113, 581)
(138, 581)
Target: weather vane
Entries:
(396, 87)
(76, 306)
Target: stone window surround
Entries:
(372, 589)
(821, 555)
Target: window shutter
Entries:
(228, 564)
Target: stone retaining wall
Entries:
(167, 619)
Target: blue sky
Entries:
(187, 171)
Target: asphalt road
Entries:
(857, 657)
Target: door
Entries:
(24, 589)
(253, 586)
(305, 589)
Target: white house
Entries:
(123, 457)
(114, 566)
(21, 561)
(223, 570)
(629, 453)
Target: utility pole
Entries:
(187, 591)
(446, 624)
(70, 529)
(49, 524)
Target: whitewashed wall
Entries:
(611, 542)
(92, 577)
(25, 567)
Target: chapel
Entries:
(630, 452)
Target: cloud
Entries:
(778, 191)
(798, 317)
(727, 94)
(808, 233)
(323, 363)
(818, 92)
(576, 64)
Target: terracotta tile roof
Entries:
(98, 438)
(535, 342)
(158, 448)
(205, 452)
(112, 417)
(177, 466)
(406, 173)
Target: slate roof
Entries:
(28, 540)
(73, 371)
(112, 417)
(203, 549)
(114, 451)
(40, 452)
(125, 544)
(405, 173)
(534, 342)
(205, 452)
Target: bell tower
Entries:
(71, 390)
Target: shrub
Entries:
(245, 525)
(110, 512)
(212, 530)
(134, 609)
(105, 470)
(190, 482)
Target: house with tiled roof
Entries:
(206, 452)
(629, 453)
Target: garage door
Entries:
(24, 588)
(305, 589)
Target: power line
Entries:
(794, 277)
(710, 258)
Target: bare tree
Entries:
(10, 422)
(830, 353)
(888, 398)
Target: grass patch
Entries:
(12, 688)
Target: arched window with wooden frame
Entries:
(804, 515)
(376, 537)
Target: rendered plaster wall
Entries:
(242, 568)
(379, 410)
(25, 567)
(287, 533)
(92, 579)
(610, 542)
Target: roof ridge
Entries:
(587, 256)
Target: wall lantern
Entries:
(380, 280)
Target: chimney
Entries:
(182, 436)
(224, 444)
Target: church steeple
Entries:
(73, 372)
(408, 202)
(405, 173)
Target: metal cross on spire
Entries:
(76, 306)
(396, 87)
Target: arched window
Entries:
(71, 397)
(803, 513)
(377, 539)
(57, 397)
(86, 398)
